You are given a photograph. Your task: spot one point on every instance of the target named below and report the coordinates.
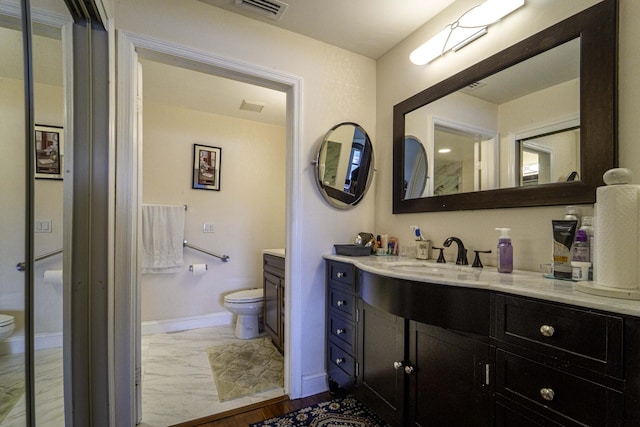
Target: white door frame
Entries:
(128, 201)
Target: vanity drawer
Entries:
(342, 330)
(570, 335)
(550, 391)
(343, 302)
(338, 358)
(341, 272)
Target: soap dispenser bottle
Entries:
(505, 251)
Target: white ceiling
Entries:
(368, 27)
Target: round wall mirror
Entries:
(344, 165)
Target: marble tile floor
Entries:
(177, 382)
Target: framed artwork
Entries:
(206, 167)
(49, 152)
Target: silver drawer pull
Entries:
(547, 394)
(339, 361)
(409, 369)
(340, 303)
(547, 330)
(398, 365)
(339, 331)
(341, 275)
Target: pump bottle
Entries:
(505, 251)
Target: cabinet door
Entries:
(272, 306)
(381, 339)
(449, 383)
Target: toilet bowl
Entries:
(247, 305)
(7, 326)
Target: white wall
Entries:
(337, 86)
(398, 79)
(248, 212)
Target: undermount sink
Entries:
(446, 271)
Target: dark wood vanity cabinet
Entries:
(273, 282)
(414, 357)
(563, 365)
(422, 354)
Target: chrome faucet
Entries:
(462, 252)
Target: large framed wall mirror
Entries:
(533, 125)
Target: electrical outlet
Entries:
(208, 228)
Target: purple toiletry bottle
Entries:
(505, 251)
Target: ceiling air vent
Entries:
(476, 85)
(273, 9)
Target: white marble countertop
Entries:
(525, 283)
(274, 252)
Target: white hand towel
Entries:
(162, 238)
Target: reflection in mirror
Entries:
(565, 73)
(344, 165)
(548, 158)
(415, 168)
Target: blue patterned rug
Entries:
(340, 412)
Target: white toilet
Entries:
(6, 326)
(247, 304)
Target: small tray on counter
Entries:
(352, 250)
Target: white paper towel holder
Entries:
(614, 176)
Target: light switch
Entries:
(43, 226)
(208, 228)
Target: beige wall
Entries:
(248, 212)
(398, 79)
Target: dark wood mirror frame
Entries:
(598, 29)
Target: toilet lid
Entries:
(248, 295)
(5, 319)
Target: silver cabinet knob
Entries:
(409, 369)
(547, 394)
(547, 330)
(339, 361)
(339, 331)
(398, 365)
(341, 275)
(340, 303)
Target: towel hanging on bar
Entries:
(162, 236)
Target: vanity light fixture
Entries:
(470, 26)
(444, 150)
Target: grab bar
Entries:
(224, 258)
(22, 266)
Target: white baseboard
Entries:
(185, 323)
(14, 345)
(314, 384)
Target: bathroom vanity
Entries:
(431, 344)
(273, 282)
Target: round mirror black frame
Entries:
(598, 31)
(360, 175)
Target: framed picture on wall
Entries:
(49, 142)
(206, 167)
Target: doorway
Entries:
(185, 113)
(129, 197)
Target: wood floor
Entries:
(258, 412)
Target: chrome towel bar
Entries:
(22, 266)
(224, 258)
